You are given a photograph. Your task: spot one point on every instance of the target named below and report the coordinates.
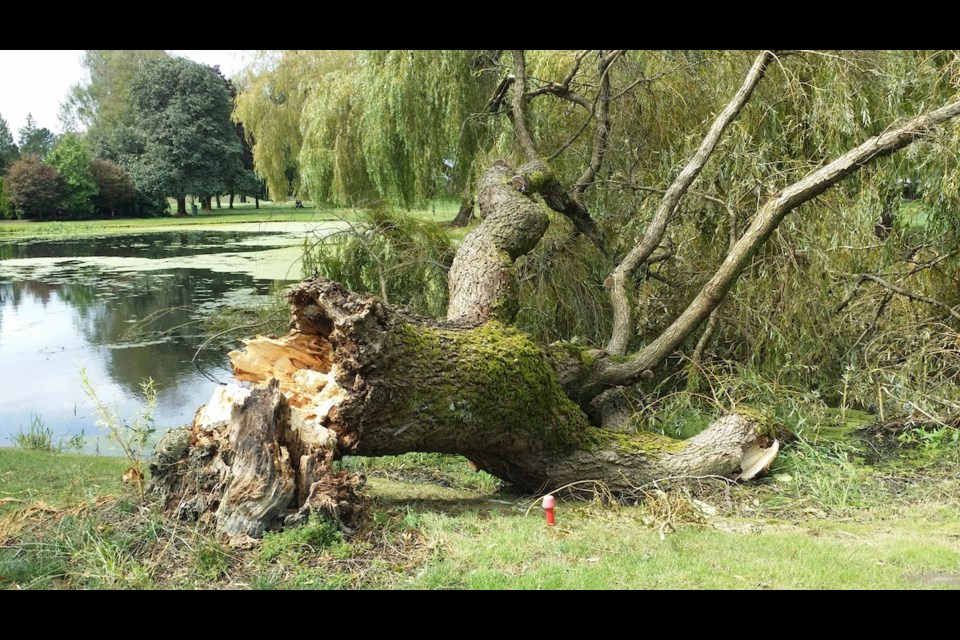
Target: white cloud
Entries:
(37, 81)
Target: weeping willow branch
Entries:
(608, 373)
(910, 294)
(917, 268)
(714, 318)
(623, 315)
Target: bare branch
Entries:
(917, 268)
(623, 316)
(519, 107)
(602, 112)
(575, 68)
(909, 294)
(706, 196)
(563, 147)
(562, 89)
(764, 223)
(562, 92)
(500, 94)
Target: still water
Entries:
(124, 308)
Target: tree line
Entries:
(142, 128)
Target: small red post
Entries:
(548, 504)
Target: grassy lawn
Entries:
(439, 211)
(66, 522)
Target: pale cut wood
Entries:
(757, 460)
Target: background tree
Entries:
(34, 139)
(182, 115)
(8, 150)
(34, 188)
(101, 103)
(114, 187)
(72, 157)
(244, 180)
(8, 153)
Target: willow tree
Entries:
(355, 127)
(710, 167)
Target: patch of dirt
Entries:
(936, 579)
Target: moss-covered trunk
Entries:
(361, 378)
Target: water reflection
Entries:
(142, 245)
(121, 326)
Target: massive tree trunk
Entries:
(181, 205)
(357, 377)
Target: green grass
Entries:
(426, 530)
(58, 479)
(439, 211)
(37, 437)
(608, 548)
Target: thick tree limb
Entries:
(481, 281)
(553, 193)
(622, 309)
(500, 94)
(609, 373)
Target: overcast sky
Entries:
(37, 81)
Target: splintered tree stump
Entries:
(246, 465)
(261, 482)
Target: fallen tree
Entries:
(355, 376)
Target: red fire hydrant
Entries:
(548, 503)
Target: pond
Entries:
(124, 308)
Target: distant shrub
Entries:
(34, 188)
(72, 156)
(115, 189)
(6, 210)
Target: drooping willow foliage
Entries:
(403, 126)
(397, 126)
(399, 258)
